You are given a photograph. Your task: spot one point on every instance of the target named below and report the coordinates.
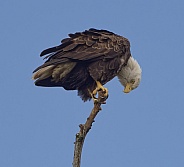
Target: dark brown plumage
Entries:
(82, 59)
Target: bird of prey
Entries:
(86, 61)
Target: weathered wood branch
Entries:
(84, 129)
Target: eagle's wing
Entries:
(90, 45)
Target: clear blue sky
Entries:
(142, 129)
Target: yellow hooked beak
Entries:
(128, 88)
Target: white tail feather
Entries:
(43, 73)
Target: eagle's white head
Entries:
(130, 75)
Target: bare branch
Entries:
(84, 129)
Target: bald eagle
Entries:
(86, 61)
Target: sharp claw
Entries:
(99, 88)
(95, 100)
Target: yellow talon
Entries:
(95, 100)
(100, 87)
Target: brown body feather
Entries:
(92, 55)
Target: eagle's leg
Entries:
(98, 88)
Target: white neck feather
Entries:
(131, 71)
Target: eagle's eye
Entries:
(132, 81)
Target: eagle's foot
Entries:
(93, 95)
(99, 88)
(100, 100)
